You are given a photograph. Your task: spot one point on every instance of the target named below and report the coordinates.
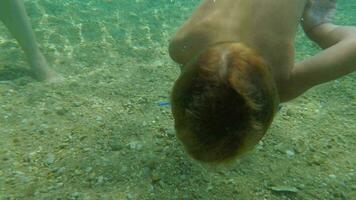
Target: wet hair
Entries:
(223, 102)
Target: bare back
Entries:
(268, 26)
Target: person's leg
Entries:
(13, 15)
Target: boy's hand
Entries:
(318, 12)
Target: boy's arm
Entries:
(336, 60)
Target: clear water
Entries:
(101, 134)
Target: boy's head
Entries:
(223, 102)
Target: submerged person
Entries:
(13, 15)
(237, 60)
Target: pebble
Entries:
(46, 111)
(88, 169)
(44, 126)
(281, 147)
(99, 118)
(300, 146)
(129, 196)
(123, 169)
(62, 146)
(60, 184)
(100, 180)
(60, 110)
(75, 195)
(284, 189)
(171, 133)
(316, 160)
(333, 176)
(50, 159)
(135, 145)
(115, 146)
(259, 147)
(230, 181)
(77, 172)
(61, 170)
(210, 188)
(353, 187)
(77, 104)
(155, 177)
(290, 153)
(290, 112)
(92, 176)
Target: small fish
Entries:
(164, 104)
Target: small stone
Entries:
(76, 104)
(62, 146)
(300, 146)
(99, 118)
(316, 160)
(61, 170)
(259, 146)
(353, 187)
(135, 145)
(339, 195)
(129, 196)
(290, 112)
(99, 180)
(183, 177)
(123, 169)
(155, 177)
(60, 110)
(88, 169)
(171, 133)
(115, 146)
(92, 176)
(50, 159)
(333, 176)
(46, 112)
(281, 147)
(75, 195)
(60, 184)
(284, 189)
(210, 188)
(230, 181)
(77, 172)
(290, 153)
(44, 126)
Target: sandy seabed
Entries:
(101, 133)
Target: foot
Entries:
(318, 12)
(41, 70)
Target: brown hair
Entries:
(223, 102)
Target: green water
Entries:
(100, 133)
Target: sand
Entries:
(102, 134)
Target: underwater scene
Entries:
(106, 130)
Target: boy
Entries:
(238, 65)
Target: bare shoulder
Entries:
(283, 11)
(261, 24)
